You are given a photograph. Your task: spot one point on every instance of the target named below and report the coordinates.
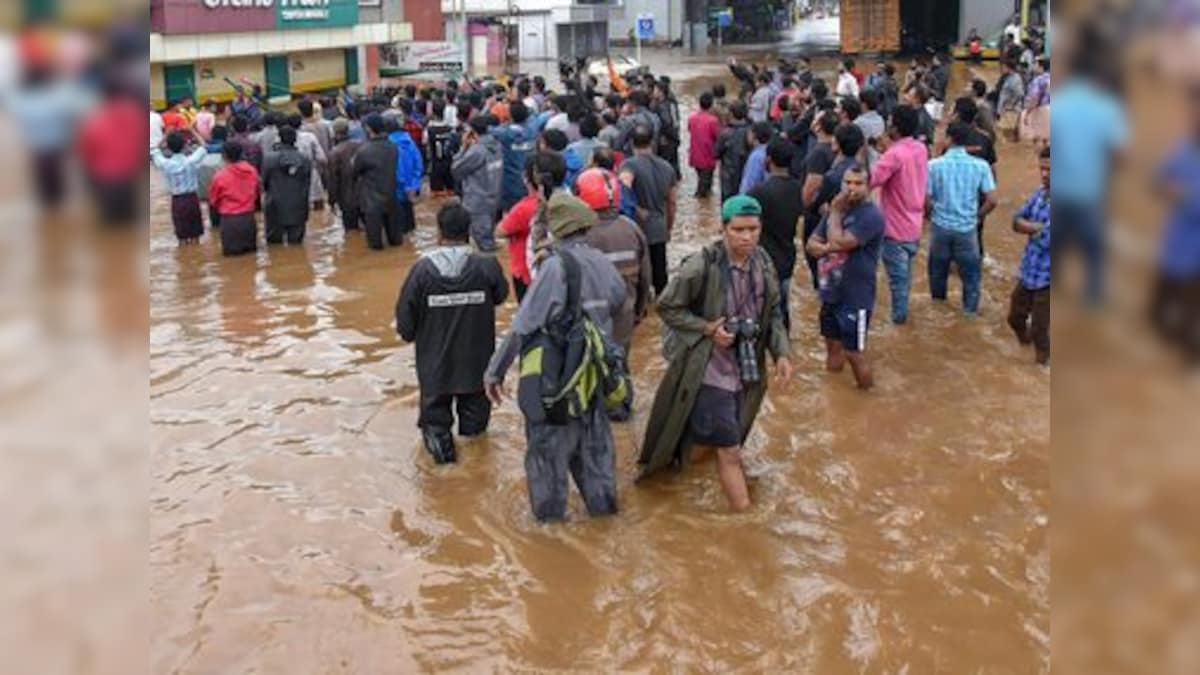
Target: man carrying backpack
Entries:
(576, 290)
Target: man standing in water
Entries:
(447, 306)
(581, 446)
(900, 176)
(722, 309)
(847, 243)
(961, 190)
(374, 178)
(478, 169)
(286, 188)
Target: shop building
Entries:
(290, 46)
(527, 30)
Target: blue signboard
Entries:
(645, 26)
(725, 18)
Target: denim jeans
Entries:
(961, 248)
(898, 261)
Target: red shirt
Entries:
(113, 140)
(515, 226)
(234, 189)
(174, 121)
(704, 128)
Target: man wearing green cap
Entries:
(722, 313)
(580, 446)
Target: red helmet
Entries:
(599, 189)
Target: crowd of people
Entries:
(581, 187)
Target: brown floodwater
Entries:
(297, 524)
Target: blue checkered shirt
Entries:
(956, 181)
(1035, 264)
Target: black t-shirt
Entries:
(981, 146)
(781, 210)
(831, 182)
(848, 279)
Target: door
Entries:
(278, 79)
(180, 80)
(479, 52)
(351, 57)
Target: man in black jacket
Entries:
(286, 176)
(732, 150)
(375, 177)
(447, 306)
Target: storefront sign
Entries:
(188, 17)
(409, 58)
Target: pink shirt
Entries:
(205, 121)
(901, 175)
(704, 128)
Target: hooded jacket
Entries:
(622, 242)
(516, 142)
(732, 150)
(286, 176)
(342, 184)
(478, 170)
(234, 189)
(447, 306)
(409, 166)
(694, 296)
(375, 175)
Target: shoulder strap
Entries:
(570, 264)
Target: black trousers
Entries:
(1029, 317)
(351, 217)
(278, 232)
(658, 267)
(49, 173)
(440, 178)
(406, 220)
(214, 217)
(117, 202)
(239, 234)
(704, 180)
(1175, 313)
(474, 412)
(520, 288)
(381, 224)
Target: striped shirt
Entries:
(956, 180)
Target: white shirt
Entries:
(156, 129)
(1013, 31)
(450, 114)
(847, 86)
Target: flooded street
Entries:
(297, 524)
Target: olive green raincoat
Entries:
(699, 286)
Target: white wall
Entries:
(501, 6)
(668, 18)
(539, 39)
(986, 15)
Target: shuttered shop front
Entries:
(314, 71)
(211, 74)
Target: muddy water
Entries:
(298, 526)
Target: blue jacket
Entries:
(516, 143)
(574, 166)
(410, 168)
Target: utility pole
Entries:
(466, 39)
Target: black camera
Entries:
(745, 333)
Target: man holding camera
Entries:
(722, 314)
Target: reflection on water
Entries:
(296, 521)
